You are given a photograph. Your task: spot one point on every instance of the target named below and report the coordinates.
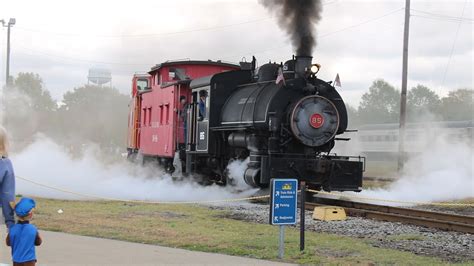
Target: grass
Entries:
(202, 229)
(466, 201)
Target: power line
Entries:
(326, 34)
(454, 44)
(158, 34)
(255, 52)
(445, 19)
(148, 34)
(79, 59)
(442, 15)
(362, 23)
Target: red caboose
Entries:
(156, 128)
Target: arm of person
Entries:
(8, 240)
(38, 239)
(7, 190)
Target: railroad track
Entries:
(439, 220)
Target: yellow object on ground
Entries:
(329, 213)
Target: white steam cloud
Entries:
(236, 170)
(441, 172)
(47, 163)
(440, 166)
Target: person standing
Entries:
(202, 105)
(183, 116)
(24, 236)
(7, 181)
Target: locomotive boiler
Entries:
(280, 116)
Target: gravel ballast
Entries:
(450, 246)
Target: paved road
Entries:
(66, 249)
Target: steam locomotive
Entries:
(209, 113)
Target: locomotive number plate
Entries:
(316, 120)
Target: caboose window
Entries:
(171, 74)
(142, 84)
(149, 116)
(145, 116)
(161, 114)
(157, 79)
(177, 74)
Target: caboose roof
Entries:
(191, 62)
(141, 75)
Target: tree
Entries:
(381, 104)
(458, 105)
(31, 85)
(95, 114)
(420, 101)
(29, 107)
(352, 116)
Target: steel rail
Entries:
(439, 220)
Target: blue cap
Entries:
(24, 207)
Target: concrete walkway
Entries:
(66, 249)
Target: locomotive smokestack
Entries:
(297, 18)
(302, 65)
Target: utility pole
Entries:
(8, 25)
(403, 98)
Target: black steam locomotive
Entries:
(282, 117)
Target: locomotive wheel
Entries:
(250, 181)
(252, 177)
(132, 157)
(170, 168)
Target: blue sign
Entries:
(284, 200)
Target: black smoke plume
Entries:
(298, 19)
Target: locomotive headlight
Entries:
(315, 68)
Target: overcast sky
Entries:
(360, 40)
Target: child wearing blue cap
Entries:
(23, 236)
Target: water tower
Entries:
(99, 76)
